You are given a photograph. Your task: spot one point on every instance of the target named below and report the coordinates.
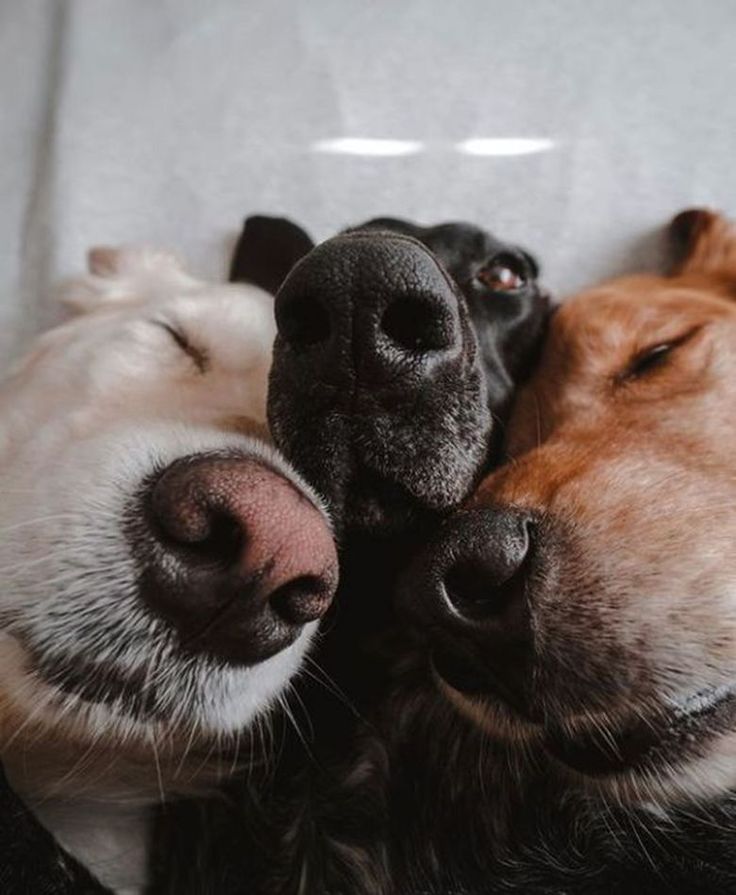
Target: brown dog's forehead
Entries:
(595, 336)
(635, 309)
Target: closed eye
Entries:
(198, 355)
(653, 357)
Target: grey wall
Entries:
(168, 120)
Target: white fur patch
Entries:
(99, 405)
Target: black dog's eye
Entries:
(654, 356)
(504, 273)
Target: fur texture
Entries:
(621, 455)
(102, 712)
(615, 771)
(320, 817)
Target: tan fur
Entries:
(633, 482)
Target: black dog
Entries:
(398, 352)
(438, 808)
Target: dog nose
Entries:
(469, 591)
(485, 581)
(371, 310)
(241, 558)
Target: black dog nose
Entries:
(240, 559)
(376, 392)
(384, 316)
(468, 591)
(485, 581)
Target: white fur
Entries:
(97, 406)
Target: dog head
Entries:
(163, 568)
(397, 347)
(586, 596)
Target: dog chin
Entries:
(199, 702)
(685, 750)
(376, 517)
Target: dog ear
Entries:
(703, 242)
(120, 261)
(266, 251)
(115, 275)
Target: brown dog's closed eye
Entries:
(653, 356)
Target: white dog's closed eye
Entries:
(161, 575)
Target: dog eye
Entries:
(654, 356)
(648, 360)
(197, 355)
(504, 273)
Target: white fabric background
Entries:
(168, 120)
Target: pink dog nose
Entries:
(243, 558)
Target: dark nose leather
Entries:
(239, 560)
(469, 589)
(369, 310)
(376, 392)
(484, 584)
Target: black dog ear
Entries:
(266, 251)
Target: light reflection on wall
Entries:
(505, 145)
(477, 146)
(367, 146)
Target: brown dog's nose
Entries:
(469, 592)
(485, 580)
(242, 559)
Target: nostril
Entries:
(223, 544)
(418, 323)
(301, 600)
(217, 538)
(475, 594)
(304, 321)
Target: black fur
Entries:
(456, 812)
(328, 819)
(266, 251)
(31, 861)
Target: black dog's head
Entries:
(398, 348)
(507, 306)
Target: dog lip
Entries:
(95, 683)
(459, 674)
(376, 499)
(691, 703)
(674, 733)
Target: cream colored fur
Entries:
(98, 405)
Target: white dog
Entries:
(162, 568)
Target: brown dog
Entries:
(588, 596)
(580, 612)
